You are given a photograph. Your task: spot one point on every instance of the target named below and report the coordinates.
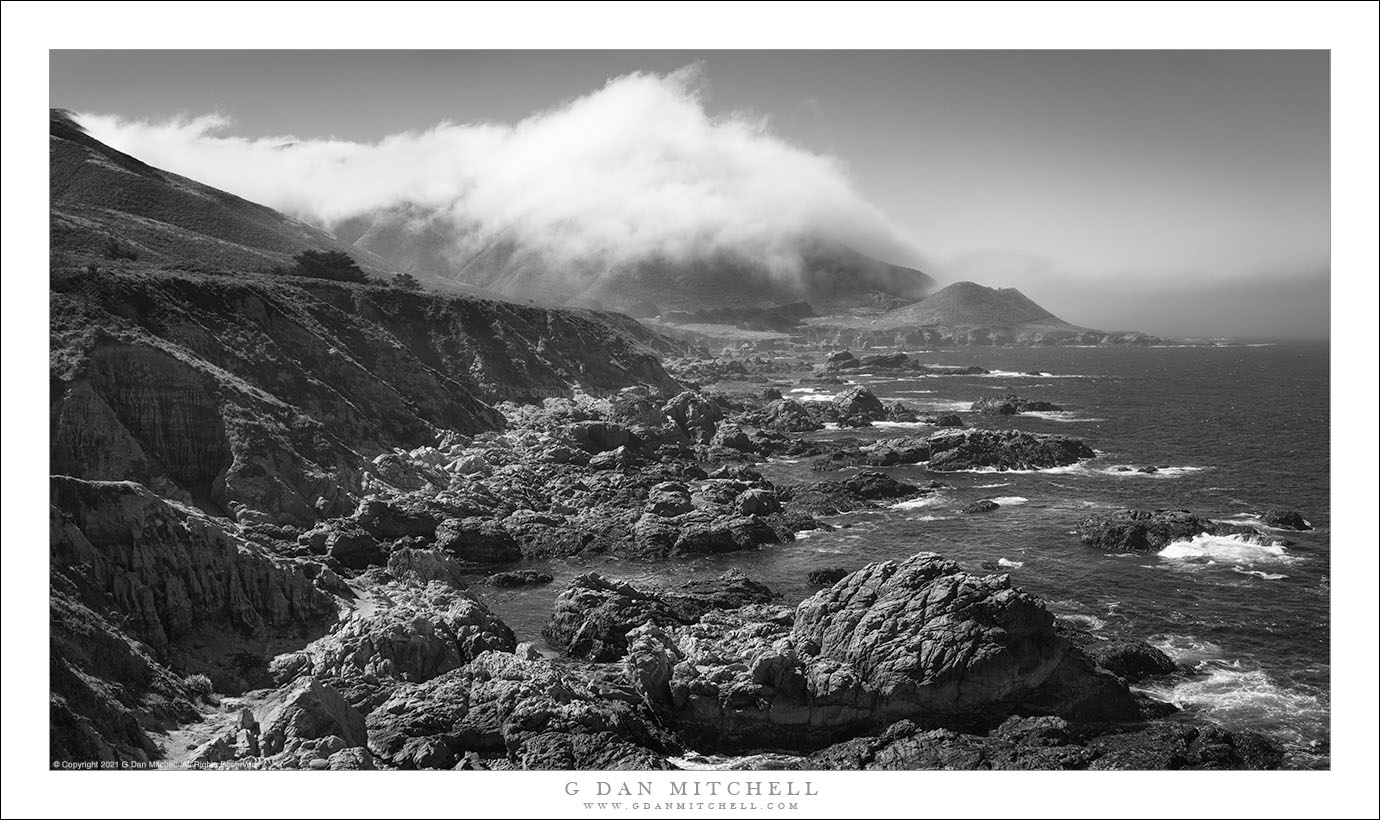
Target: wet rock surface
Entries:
(1152, 530)
(1003, 450)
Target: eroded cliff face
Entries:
(182, 583)
(263, 398)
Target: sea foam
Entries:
(1240, 550)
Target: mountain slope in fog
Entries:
(826, 273)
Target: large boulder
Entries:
(917, 639)
(420, 567)
(694, 415)
(310, 710)
(476, 539)
(592, 618)
(518, 712)
(598, 436)
(1003, 450)
(786, 416)
(403, 633)
(858, 402)
(1285, 520)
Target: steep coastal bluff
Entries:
(265, 398)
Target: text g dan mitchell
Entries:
(693, 788)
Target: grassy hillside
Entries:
(101, 196)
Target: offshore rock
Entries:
(1003, 450)
(1011, 405)
(1151, 531)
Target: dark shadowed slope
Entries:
(99, 194)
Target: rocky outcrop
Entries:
(1285, 520)
(1151, 530)
(592, 618)
(477, 539)
(310, 711)
(202, 598)
(1003, 450)
(511, 712)
(1010, 405)
(826, 577)
(1132, 661)
(420, 567)
(863, 489)
(856, 404)
(983, 505)
(694, 416)
(918, 639)
(1050, 743)
(403, 633)
(519, 578)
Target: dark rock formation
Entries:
(1285, 520)
(476, 539)
(1010, 405)
(826, 577)
(786, 416)
(946, 420)
(519, 578)
(354, 548)
(420, 567)
(518, 713)
(1050, 743)
(694, 415)
(404, 633)
(1150, 531)
(888, 452)
(982, 506)
(857, 403)
(1132, 661)
(863, 489)
(918, 639)
(1003, 450)
(592, 618)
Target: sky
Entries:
(1178, 193)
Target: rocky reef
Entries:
(1153, 530)
(1011, 405)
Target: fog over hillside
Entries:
(635, 172)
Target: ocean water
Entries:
(1234, 430)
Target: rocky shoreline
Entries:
(345, 635)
